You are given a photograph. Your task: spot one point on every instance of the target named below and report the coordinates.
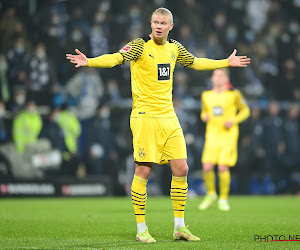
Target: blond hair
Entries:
(163, 11)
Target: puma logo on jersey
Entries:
(151, 56)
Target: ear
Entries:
(172, 25)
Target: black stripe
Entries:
(138, 205)
(139, 197)
(180, 188)
(177, 192)
(138, 201)
(178, 210)
(139, 214)
(177, 200)
(177, 196)
(181, 205)
(138, 193)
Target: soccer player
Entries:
(157, 135)
(223, 109)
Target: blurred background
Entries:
(65, 131)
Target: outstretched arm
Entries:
(104, 61)
(231, 61)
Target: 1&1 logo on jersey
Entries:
(163, 71)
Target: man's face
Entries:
(219, 78)
(161, 25)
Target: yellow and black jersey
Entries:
(221, 107)
(152, 68)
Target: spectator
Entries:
(292, 136)
(257, 14)
(18, 61)
(273, 142)
(98, 40)
(87, 88)
(80, 22)
(71, 128)
(4, 85)
(7, 25)
(187, 38)
(27, 126)
(3, 125)
(42, 76)
(52, 131)
(18, 100)
(102, 147)
(113, 91)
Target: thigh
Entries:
(174, 147)
(228, 155)
(147, 139)
(210, 153)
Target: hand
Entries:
(228, 124)
(206, 118)
(79, 60)
(238, 61)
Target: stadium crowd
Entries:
(36, 80)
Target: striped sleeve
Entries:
(132, 50)
(184, 58)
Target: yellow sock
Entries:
(179, 189)
(224, 184)
(210, 180)
(139, 197)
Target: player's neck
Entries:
(219, 89)
(161, 41)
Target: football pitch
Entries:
(109, 223)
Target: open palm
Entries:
(79, 60)
(238, 61)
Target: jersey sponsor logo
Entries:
(126, 48)
(142, 153)
(218, 111)
(163, 71)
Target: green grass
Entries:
(106, 223)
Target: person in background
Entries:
(71, 128)
(274, 145)
(222, 111)
(27, 126)
(18, 101)
(42, 76)
(3, 127)
(102, 147)
(18, 60)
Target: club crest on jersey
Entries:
(142, 153)
(173, 55)
(126, 48)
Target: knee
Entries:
(142, 170)
(208, 167)
(222, 168)
(182, 170)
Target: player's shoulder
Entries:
(235, 91)
(138, 41)
(176, 43)
(207, 92)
